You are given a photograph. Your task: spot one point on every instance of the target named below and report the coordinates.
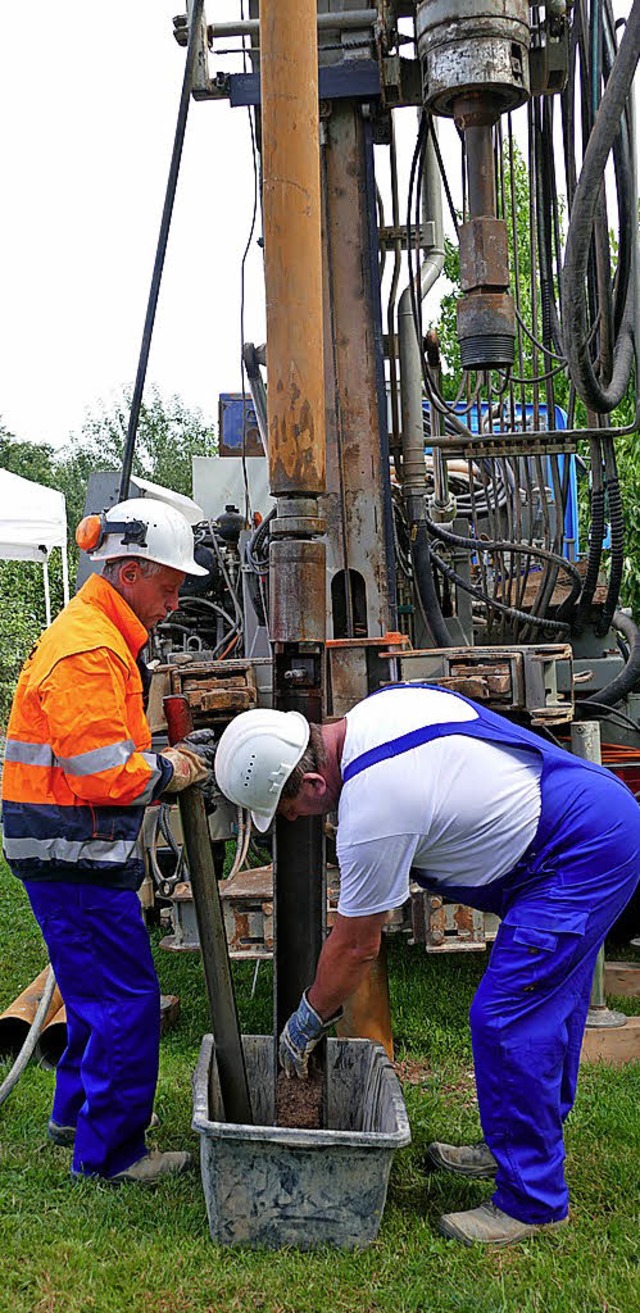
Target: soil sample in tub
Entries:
(299, 1102)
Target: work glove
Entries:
(302, 1032)
(188, 768)
(204, 743)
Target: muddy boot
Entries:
(488, 1225)
(149, 1169)
(65, 1136)
(474, 1160)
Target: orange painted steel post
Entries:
(367, 1013)
(292, 246)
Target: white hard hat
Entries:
(141, 527)
(255, 758)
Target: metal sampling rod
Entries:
(297, 450)
(213, 941)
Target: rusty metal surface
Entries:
(215, 690)
(469, 44)
(356, 668)
(486, 313)
(535, 679)
(356, 476)
(484, 253)
(445, 927)
(247, 905)
(297, 580)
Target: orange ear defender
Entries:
(93, 529)
(90, 532)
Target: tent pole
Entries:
(47, 595)
(65, 571)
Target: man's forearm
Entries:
(344, 962)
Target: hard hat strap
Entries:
(133, 531)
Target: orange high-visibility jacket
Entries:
(78, 772)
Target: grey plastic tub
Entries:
(274, 1186)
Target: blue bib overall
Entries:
(557, 904)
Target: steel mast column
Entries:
(297, 450)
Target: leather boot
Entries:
(474, 1160)
(488, 1225)
(149, 1169)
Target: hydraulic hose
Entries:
(583, 215)
(423, 571)
(629, 678)
(29, 1045)
(525, 549)
(535, 621)
(596, 534)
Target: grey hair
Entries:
(112, 567)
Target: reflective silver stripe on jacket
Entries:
(116, 852)
(146, 796)
(28, 754)
(86, 763)
(91, 763)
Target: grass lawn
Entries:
(69, 1247)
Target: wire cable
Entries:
(161, 248)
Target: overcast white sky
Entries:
(88, 103)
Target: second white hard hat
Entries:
(149, 529)
(255, 758)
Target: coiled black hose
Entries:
(629, 678)
(525, 549)
(576, 336)
(551, 626)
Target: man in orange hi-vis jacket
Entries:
(78, 773)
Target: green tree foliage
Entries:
(169, 434)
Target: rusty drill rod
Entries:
(213, 941)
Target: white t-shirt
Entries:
(459, 809)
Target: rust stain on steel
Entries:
(296, 458)
(463, 919)
(257, 883)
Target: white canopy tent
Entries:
(33, 520)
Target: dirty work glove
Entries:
(302, 1032)
(188, 768)
(203, 742)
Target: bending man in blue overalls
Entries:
(432, 787)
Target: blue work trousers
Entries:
(529, 1013)
(106, 1078)
(556, 905)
